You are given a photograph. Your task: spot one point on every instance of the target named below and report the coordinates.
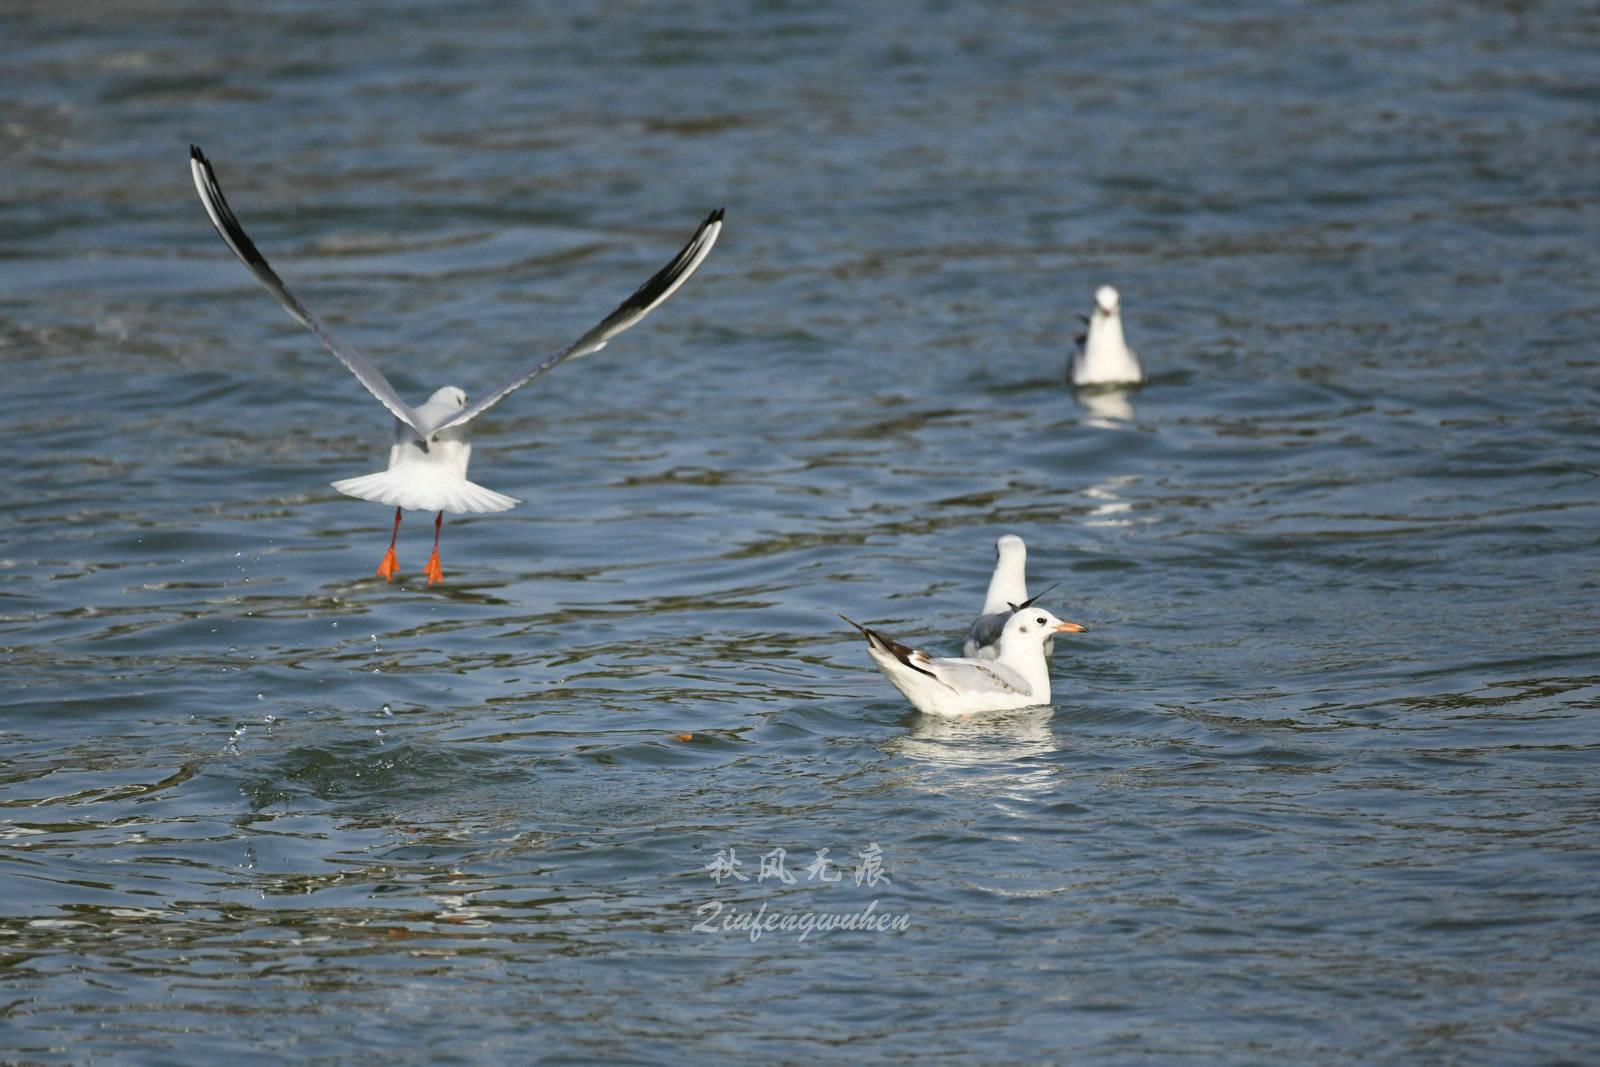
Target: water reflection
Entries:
(1110, 507)
(990, 750)
(1107, 408)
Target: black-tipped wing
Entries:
(1033, 599)
(222, 217)
(986, 629)
(903, 653)
(649, 296)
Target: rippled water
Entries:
(1318, 784)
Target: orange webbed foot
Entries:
(389, 565)
(433, 571)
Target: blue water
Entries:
(1319, 784)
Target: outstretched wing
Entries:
(649, 296)
(222, 217)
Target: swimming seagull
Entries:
(1008, 594)
(1018, 678)
(1105, 358)
(428, 460)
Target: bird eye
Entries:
(1040, 620)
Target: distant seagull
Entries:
(1008, 593)
(428, 460)
(1105, 358)
(1018, 678)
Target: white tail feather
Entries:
(402, 487)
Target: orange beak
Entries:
(1072, 628)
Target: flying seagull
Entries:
(428, 461)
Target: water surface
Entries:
(1318, 784)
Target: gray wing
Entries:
(222, 217)
(974, 676)
(986, 629)
(649, 296)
